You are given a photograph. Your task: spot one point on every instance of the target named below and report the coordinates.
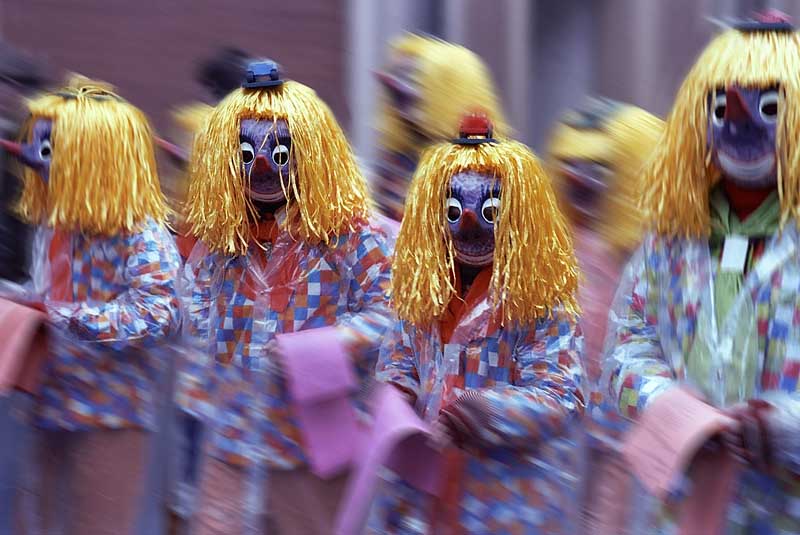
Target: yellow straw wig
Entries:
(680, 174)
(103, 177)
(325, 190)
(534, 265)
(451, 80)
(624, 142)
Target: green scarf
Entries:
(740, 372)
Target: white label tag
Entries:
(734, 253)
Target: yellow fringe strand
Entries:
(624, 143)
(451, 80)
(534, 265)
(325, 190)
(103, 176)
(679, 176)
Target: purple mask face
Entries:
(266, 157)
(743, 125)
(586, 183)
(471, 213)
(38, 152)
(398, 80)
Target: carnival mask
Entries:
(266, 157)
(742, 135)
(472, 209)
(586, 182)
(38, 152)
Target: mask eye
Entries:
(453, 210)
(248, 154)
(280, 155)
(768, 106)
(490, 208)
(45, 150)
(718, 108)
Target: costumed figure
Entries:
(711, 298)
(487, 346)
(104, 269)
(596, 153)
(428, 83)
(280, 209)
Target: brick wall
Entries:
(148, 48)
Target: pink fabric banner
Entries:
(398, 441)
(321, 381)
(24, 348)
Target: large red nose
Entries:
(735, 108)
(261, 165)
(11, 147)
(469, 221)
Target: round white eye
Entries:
(45, 150)
(490, 208)
(718, 108)
(768, 106)
(453, 210)
(280, 155)
(248, 154)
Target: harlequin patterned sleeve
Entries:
(368, 316)
(396, 364)
(147, 311)
(545, 391)
(634, 368)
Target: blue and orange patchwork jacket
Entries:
(235, 307)
(664, 315)
(518, 474)
(113, 305)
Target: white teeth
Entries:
(758, 169)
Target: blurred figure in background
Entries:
(428, 85)
(487, 352)
(712, 298)
(596, 155)
(104, 269)
(280, 210)
(20, 76)
(218, 75)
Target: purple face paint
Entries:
(742, 135)
(400, 85)
(472, 209)
(266, 158)
(37, 153)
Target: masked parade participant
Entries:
(487, 346)
(428, 84)
(104, 269)
(711, 298)
(596, 155)
(280, 211)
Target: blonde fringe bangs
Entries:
(325, 190)
(678, 178)
(534, 266)
(103, 176)
(452, 80)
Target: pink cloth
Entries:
(321, 381)
(24, 347)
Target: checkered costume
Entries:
(237, 304)
(106, 347)
(664, 294)
(519, 479)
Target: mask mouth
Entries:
(747, 170)
(477, 257)
(267, 197)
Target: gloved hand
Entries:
(749, 440)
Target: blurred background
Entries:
(545, 54)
